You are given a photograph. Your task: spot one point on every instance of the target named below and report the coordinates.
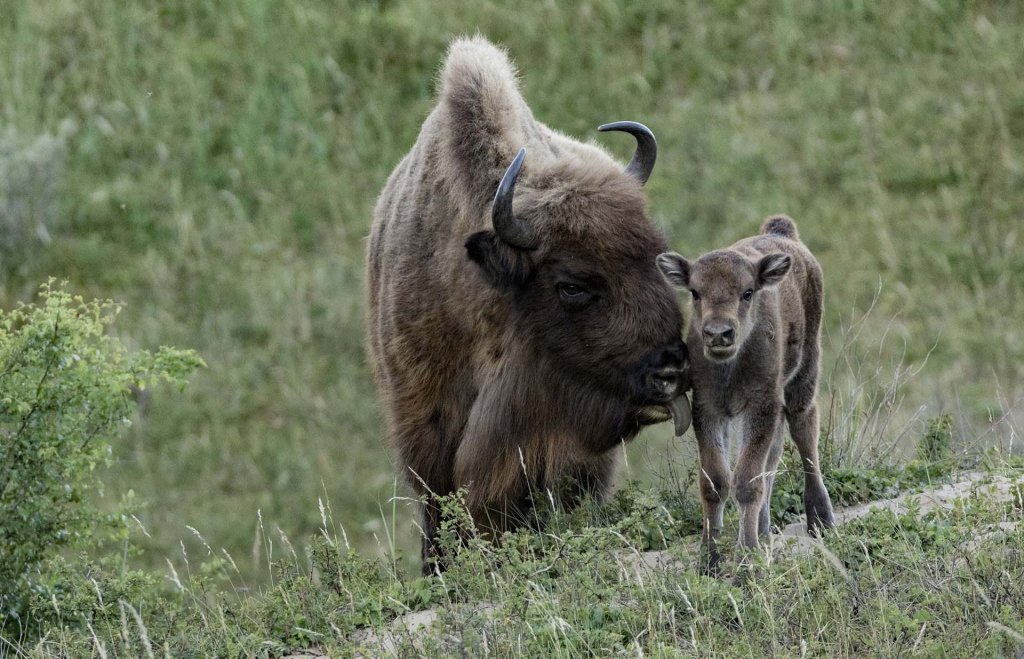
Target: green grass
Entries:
(214, 166)
(942, 583)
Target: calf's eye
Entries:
(747, 294)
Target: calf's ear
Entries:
(675, 269)
(772, 269)
(504, 267)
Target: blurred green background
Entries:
(214, 165)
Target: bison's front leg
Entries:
(430, 552)
(591, 477)
(750, 480)
(492, 459)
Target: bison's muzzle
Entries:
(660, 381)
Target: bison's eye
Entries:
(747, 294)
(573, 295)
(696, 295)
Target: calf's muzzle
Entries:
(718, 334)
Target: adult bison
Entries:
(518, 326)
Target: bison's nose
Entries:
(664, 380)
(719, 334)
(665, 375)
(661, 375)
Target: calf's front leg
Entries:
(764, 526)
(751, 475)
(714, 481)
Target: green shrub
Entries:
(65, 392)
(936, 444)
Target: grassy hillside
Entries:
(214, 165)
(940, 582)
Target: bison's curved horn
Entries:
(642, 164)
(510, 229)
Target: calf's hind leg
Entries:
(803, 427)
(802, 418)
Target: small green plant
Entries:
(936, 444)
(65, 392)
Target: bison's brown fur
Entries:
(754, 347)
(503, 368)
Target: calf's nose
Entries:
(719, 334)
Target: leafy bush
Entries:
(65, 392)
(937, 443)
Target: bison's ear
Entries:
(506, 268)
(772, 269)
(675, 268)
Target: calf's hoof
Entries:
(710, 561)
(819, 511)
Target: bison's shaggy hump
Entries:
(486, 114)
(479, 87)
(484, 120)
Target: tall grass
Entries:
(218, 163)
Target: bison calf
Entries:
(756, 319)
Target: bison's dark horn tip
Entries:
(642, 164)
(631, 127)
(510, 229)
(517, 162)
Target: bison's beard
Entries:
(678, 411)
(534, 423)
(599, 413)
(602, 415)
(535, 415)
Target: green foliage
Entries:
(65, 394)
(936, 444)
(374, 593)
(943, 582)
(77, 594)
(872, 590)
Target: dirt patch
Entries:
(794, 536)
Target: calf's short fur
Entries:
(754, 348)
